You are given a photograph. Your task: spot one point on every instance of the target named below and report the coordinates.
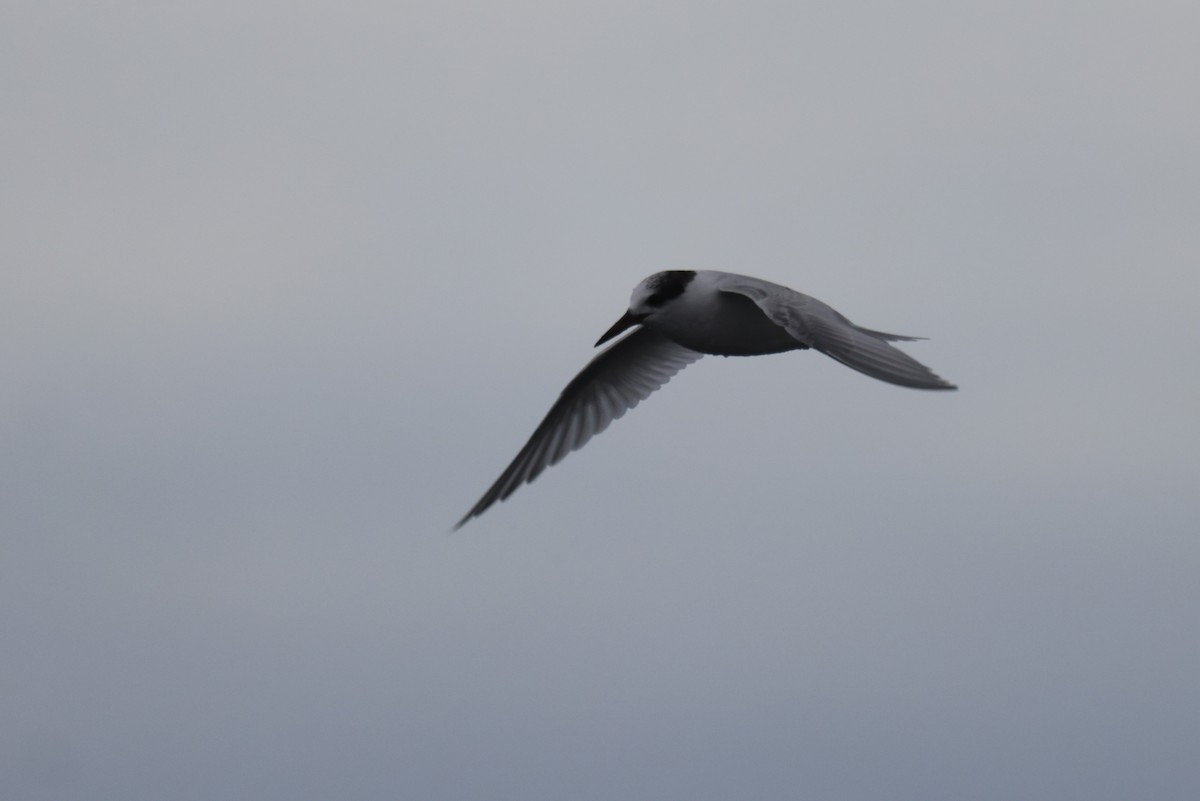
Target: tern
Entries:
(683, 315)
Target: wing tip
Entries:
(938, 382)
(465, 519)
(929, 381)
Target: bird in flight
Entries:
(683, 315)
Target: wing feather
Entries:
(822, 328)
(611, 384)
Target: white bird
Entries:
(683, 315)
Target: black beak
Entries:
(628, 320)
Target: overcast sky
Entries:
(284, 286)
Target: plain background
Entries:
(284, 286)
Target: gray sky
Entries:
(283, 289)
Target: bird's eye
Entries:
(655, 300)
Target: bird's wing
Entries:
(820, 327)
(611, 384)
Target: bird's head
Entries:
(650, 297)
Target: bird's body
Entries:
(685, 314)
(720, 323)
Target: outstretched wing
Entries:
(822, 328)
(611, 384)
